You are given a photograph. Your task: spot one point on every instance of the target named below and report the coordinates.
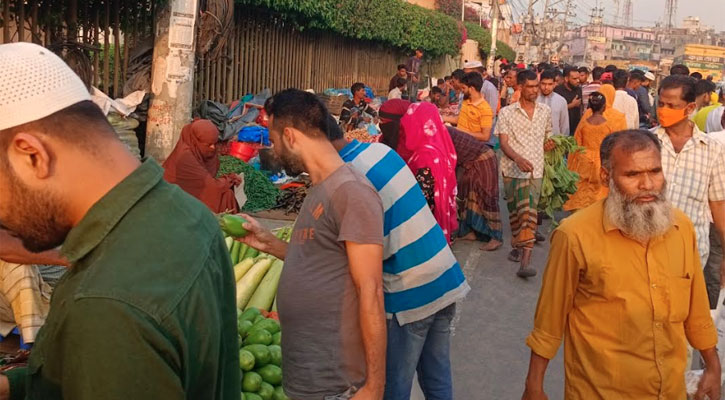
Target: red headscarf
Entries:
(425, 143)
(390, 114)
(194, 166)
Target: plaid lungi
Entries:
(522, 199)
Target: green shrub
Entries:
(392, 22)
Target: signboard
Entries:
(633, 64)
(706, 59)
(715, 67)
(705, 51)
(181, 25)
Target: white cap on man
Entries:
(472, 64)
(35, 83)
(649, 76)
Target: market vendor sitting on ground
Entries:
(146, 309)
(356, 110)
(24, 300)
(398, 90)
(624, 289)
(25, 288)
(437, 97)
(194, 164)
(330, 295)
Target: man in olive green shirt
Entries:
(146, 309)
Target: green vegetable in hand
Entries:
(559, 182)
(233, 225)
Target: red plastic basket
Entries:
(243, 150)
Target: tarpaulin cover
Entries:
(254, 134)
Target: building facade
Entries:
(593, 44)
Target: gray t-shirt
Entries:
(322, 348)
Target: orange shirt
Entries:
(625, 311)
(475, 117)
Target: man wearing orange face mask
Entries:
(694, 166)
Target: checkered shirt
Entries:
(526, 137)
(695, 176)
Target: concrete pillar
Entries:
(172, 76)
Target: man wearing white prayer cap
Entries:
(489, 90)
(146, 309)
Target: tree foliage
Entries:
(392, 22)
(453, 8)
(483, 37)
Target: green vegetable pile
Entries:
(260, 357)
(559, 182)
(261, 193)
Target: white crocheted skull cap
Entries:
(35, 83)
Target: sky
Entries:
(646, 12)
(711, 12)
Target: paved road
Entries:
(489, 355)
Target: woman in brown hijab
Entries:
(194, 163)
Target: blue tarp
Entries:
(254, 134)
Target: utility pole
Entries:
(529, 30)
(670, 14)
(544, 47)
(565, 21)
(494, 33)
(617, 9)
(172, 76)
(567, 13)
(627, 13)
(595, 22)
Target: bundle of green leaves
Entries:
(559, 182)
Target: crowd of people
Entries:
(370, 261)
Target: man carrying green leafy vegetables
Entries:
(524, 129)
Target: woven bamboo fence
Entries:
(263, 52)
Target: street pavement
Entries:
(488, 351)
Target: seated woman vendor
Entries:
(194, 163)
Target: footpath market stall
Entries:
(257, 277)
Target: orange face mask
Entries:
(669, 116)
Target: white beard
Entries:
(640, 222)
